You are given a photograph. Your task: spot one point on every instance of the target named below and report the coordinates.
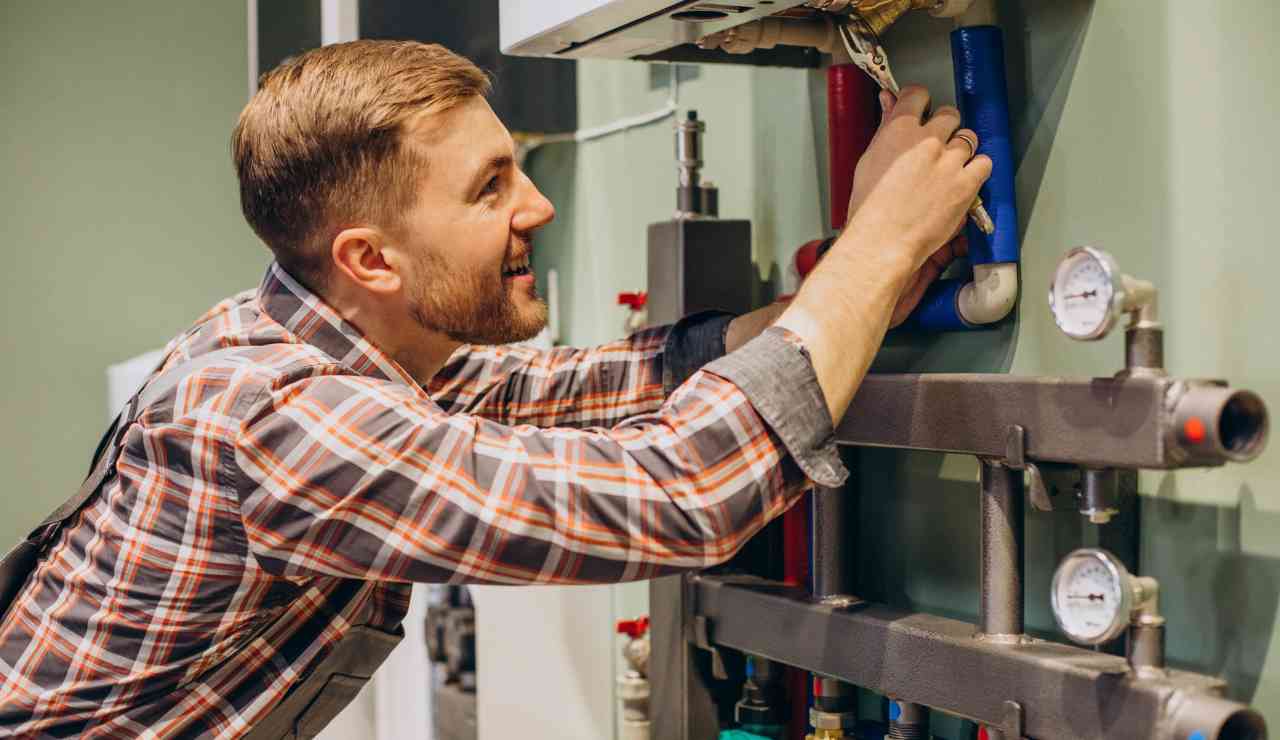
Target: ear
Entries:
(358, 253)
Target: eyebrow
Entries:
(500, 162)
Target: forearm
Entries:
(842, 312)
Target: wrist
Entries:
(889, 254)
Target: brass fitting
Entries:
(880, 14)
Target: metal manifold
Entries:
(1022, 429)
(1025, 431)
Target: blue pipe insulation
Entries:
(982, 96)
(977, 53)
(938, 310)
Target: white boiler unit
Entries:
(620, 29)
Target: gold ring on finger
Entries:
(968, 139)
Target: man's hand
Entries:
(868, 173)
(912, 187)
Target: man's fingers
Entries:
(963, 145)
(943, 256)
(944, 122)
(887, 101)
(912, 102)
(979, 167)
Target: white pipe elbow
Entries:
(991, 295)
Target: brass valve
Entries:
(880, 14)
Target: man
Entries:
(354, 426)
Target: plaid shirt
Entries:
(274, 501)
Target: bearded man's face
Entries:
(470, 231)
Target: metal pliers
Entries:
(864, 49)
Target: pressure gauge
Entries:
(1093, 596)
(1087, 294)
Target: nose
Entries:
(534, 210)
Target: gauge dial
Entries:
(1085, 295)
(1092, 596)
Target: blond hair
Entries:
(319, 146)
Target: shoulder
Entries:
(230, 381)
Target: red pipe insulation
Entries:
(853, 113)
(795, 572)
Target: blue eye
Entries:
(491, 186)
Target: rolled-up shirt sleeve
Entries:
(356, 477)
(776, 373)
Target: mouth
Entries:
(517, 267)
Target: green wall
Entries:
(1146, 128)
(118, 213)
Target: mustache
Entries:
(523, 245)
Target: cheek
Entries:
(491, 243)
(474, 246)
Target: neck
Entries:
(421, 352)
(423, 359)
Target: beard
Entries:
(478, 307)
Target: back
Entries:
(139, 615)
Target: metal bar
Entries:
(1000, 608)
(1122, 422)
(1063, 692)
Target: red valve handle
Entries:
(635, 301)
(633, 628)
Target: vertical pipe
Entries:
(795, 567)
(252, 28)
(831, 535)
(852, 117)
(339, 21)
(982, 95)
(832, 515)
(1000, 609)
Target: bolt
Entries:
(1100, 517)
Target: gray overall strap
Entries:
(22, 559)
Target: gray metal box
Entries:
(699, 264)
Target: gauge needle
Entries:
(1086, 294)
(1090, 597)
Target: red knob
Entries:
(807, 257)
(635, 301)
(633, 628)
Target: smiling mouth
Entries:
(516, 267)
